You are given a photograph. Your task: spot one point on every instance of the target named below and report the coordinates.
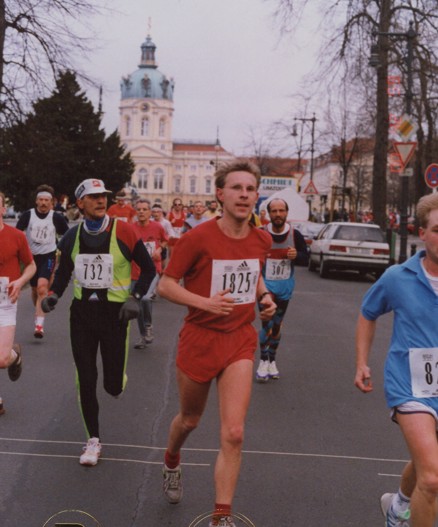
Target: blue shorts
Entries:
(45, 264)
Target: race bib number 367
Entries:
(424, 371)
(240, 276)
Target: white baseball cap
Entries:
(90, 186)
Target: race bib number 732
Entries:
(240, 276)
(94, 271)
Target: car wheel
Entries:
(323, 269)
(311, 266)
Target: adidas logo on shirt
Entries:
(243, 267)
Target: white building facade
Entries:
(164, 169)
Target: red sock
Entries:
(221, 509)
(171, 460)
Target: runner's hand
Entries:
(129, 310)
(49, 302)
(267, 308)
(219, 304)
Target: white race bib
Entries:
(424, 372)
(40, 233)
(94, 271)
(150, 247)
(4, 297)
(277, 269)
(240, 276)
(177, 232)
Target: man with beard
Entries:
(288, 248)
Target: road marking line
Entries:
(64, 456)
(214, 450)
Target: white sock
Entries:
(39, 321)
(14, 356)
(400, 502)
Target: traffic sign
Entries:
(431, 175)
(405, 151)
(310, 189)
(405, 127)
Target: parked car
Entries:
(349, 246)
(309, 230)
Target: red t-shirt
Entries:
(152, 235)
(14, 250)
(234, 260)
(125, 213)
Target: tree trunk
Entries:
(382, 124)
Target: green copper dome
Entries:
(147, 82)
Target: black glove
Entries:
(129, 310)
(49, 302)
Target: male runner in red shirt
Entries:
(220, 262)
(14, 251)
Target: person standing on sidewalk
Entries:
(410, 291)
(220, 262)
(98, 252)
(14, 253)
(41, 225)
(288, 248)
(154, 237)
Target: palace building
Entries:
(164, 169)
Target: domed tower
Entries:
(145, 126)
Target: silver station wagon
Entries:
(349, 246)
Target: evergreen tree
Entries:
(60, 143)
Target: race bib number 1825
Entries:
(240, 276)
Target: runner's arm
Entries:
(16, 285)
(365, 331)
(219, 304)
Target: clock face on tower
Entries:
(145, 107)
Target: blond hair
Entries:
(425, 206)
(240, 165)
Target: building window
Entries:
(143, 178)
(208, 186)
(193, 168)
(128, 126)
(158, 179)
(193, 185)
(177, 184)
(145, 126)
(162, 128)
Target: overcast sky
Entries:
(231, 69)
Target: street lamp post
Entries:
(312, 148)
(374, 62)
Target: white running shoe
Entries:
(262, 374)
(391, 519)
(140, 344)
(172, 484)
(91, 453)
(225, 521)
(149, 337)
(273, 370)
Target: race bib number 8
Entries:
(4, 297)
(94, 271)
(240, 276)
(424, 371)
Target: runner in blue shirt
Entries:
(410, 291)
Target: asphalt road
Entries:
(317, 451)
